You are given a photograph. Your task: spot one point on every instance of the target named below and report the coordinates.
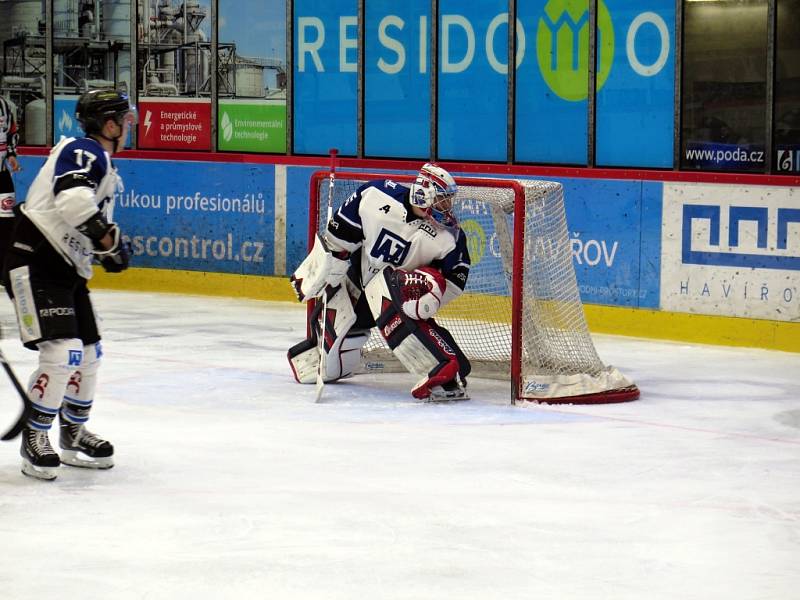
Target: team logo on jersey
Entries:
(74, 358)
(390, 248)
(428, 228)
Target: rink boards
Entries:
(687, 260)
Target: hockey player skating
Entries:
(8, 165)
(390, 257)
(65, 224)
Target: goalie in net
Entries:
(520, 317)
(391, 257)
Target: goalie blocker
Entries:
(423, 347)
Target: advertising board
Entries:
(731, 250)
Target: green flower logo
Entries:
(476, 239)
(227, 127)
(562, 47)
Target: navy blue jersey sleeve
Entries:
(81, 163)
(456, 263)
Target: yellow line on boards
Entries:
(701, 329)
(196, 282)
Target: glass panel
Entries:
(473, 80)
(635, 84)
(397, 97)
(91, 50)
(174, 67)
(787, 88)
(325, 76)
(22, 72)
(553, 81)
(724, 85)
(252, 75)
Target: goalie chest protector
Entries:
(392, 234)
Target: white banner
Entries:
(731, 250)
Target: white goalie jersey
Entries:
(378, 227)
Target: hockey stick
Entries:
(324, 322)
(17, 427)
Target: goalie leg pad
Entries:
(341, 346)
(304, 360)
(304, 357)
(348, 359)
(423, 347)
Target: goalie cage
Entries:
(521, 315)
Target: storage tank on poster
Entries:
(249, 79)
(20, 17)
(196, 58)
(196, 69)
(35, 125)
(65, 18)
(116, 20)
(116, 26)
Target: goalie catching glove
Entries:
(115, 258)
(322, 267)
(421, 291)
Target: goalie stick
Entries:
(18, 426)
(321, 347)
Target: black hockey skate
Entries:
(39, 460)
(81, 448)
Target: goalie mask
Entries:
(434, 190)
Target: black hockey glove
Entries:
(118, 259)
(115, 259)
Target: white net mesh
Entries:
(557, 358)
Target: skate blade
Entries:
(442, 398)
(44, 473)
(74, 458)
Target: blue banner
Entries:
(397, 97)
(553, 81)
(213, 217)
(635, 104)
(297, 201)
(325, 76)
(64, 122)
(23, 180)
(473, 89)
(615, 230)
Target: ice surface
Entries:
(231, 483)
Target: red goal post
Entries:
(520, 317)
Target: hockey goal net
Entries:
(521, 316)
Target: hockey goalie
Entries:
(390, 257)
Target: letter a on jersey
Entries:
(390, 248)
